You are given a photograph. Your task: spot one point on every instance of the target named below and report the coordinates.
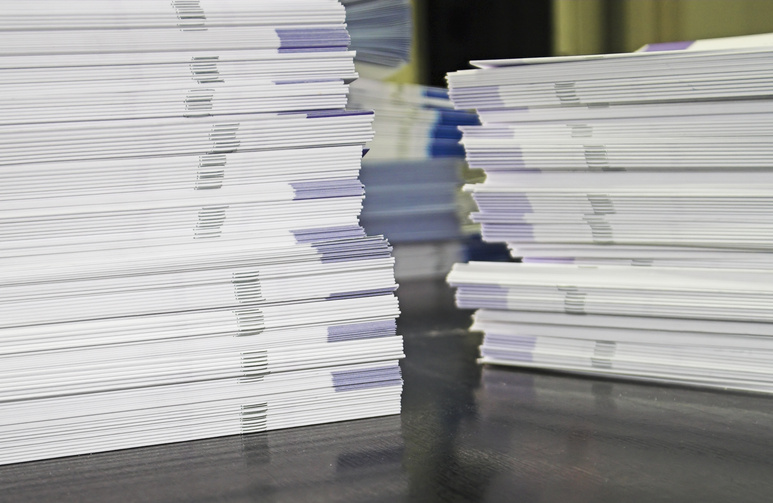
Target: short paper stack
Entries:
(637, 189)
(412, 174)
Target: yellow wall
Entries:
(590, 26)
(577, 26)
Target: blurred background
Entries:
(449, 33)
(414, 175)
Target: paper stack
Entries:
(381, 32)
(179, 244)
(412, 174)
(637, 190)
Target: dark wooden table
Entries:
(467, 433)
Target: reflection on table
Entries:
(467, 433)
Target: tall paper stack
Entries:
(637, 188)
(179, 244)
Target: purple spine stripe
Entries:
(315, 114)
(668, 46)
(361, 293)
(378, 377)
(321, 234)
(511, 356)
(358, 331)
(326, 189)
(290, 50)
(290, 38)
(514, 348)
(307, 81)
(480, 296)
(365, 249)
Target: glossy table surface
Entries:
(467, 433)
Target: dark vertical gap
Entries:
(421, 39)
(458, 31)
(613, 30)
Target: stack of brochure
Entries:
(180, 248)
(412, 174)
(637, 190)
(381, 31)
